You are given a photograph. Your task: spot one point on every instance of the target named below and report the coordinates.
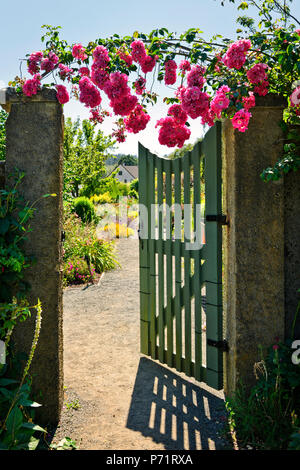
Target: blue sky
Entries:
(82, 21)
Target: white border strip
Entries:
(3, 96)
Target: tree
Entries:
(85, 153)
(129, 160)
(3, 117)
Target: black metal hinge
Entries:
(222, 344)
(220, 218)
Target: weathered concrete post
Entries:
(34, 145)
(254, 242)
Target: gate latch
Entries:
(140, 239)
(222, 344)
(220, 218)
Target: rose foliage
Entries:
(208, 79)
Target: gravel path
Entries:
(127, 401)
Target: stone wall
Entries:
(2, 174)
(34, 132)
(262, 246)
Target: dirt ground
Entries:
(127, 401)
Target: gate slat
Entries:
(178, 276)
(169, 264)
(144, 258)
(187, 268)
(213, 265)
(161, 268)
(196, 156)
(152, 255)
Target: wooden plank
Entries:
(187, 267)
(161, 274)
(196, 156)
(144, 257)
(169, 263)
(178, 280)
(152, 255)
(213, 265)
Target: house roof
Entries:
(132, 170)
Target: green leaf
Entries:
(5, 382)
(32, 404)
(33, 443)
(14, 420)
(4, 225)
(34, 427)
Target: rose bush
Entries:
(216, 78)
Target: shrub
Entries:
(84, 208)
(101, 198)
(135, 185)
(267, 415)
(76, 271)
(119, 230)
(124, 188)
(132, 193)
(133, 214)
(82, 243)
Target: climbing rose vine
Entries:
(208, 80)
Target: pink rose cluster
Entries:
(295, 100)
(32, 86)
(62, 94)
(34, 62)
(78, 52)
(115, 84)
(84, 72)
(184, 66)
(173, 131)
(126, 57)
(235, 56)
(98, 117)
(37, 62)
(89, 95)
(48, 63)
(65, 72)
(170, 75)
(137, 120)
(194, 101)
(140, 85)
(257, 76)
(220, 101)
(249, 101)
(140, 56)
(118, 91)
(241, 119)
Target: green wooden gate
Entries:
(180, 280)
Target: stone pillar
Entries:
(34, 132)
(2, 174)
(254, 300)
(292, 249)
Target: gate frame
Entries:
(210, 274)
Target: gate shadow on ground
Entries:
(173, 411)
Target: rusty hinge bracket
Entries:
(220, 218)
(222, 344)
